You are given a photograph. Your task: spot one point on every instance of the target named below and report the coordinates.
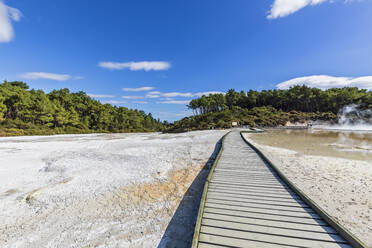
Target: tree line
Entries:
(297, 98)
(270, 108)
(24, 111)
(33, 112)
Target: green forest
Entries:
(270, 107)
(33, 112)
(25, 111)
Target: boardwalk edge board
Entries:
(346, 234)
(204, 196)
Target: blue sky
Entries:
(157, 55)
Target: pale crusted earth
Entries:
(101, 190)
(342, 187)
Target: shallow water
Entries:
(355, 145)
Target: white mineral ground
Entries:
(342, 187)
(102, 190)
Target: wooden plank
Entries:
(264, 215)
(260, 205)
(257, 180)
(322, 236)
(248, 164)
(259, 193)
(247, 187)
(230, 170)
(247, 161)
(244, 168)
(263, 237)
(263, 195)
(257, 197)
(247, 172)
(252, 179)
(224, 241)
(247, 179)
(250, 183)
(256, 190)
(265, 210)
(244, 172)
(270, 222)
(256, 200)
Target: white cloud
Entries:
(175, 94)
(282, 8)
(157, 94)
(136, 66)
(167, 99)
(46, 75)
(168, 96)
(141, 102)
(153, 94)
(101, 96)
(7, 14)
(174, 102)
(146, 88)
(132, 97)
(114, 102)
(326, 82)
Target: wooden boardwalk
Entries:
(248, 205)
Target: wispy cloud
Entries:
(173, 102)
(7, 14)
(153, 94)
(282, 8)
(145, 88)
(136, 66)
(326, 82)
(167, 99)
(177, 94)
(101, 96)
(114, 102)
(132, 97)
(46, 75)
(141, 102)
(157, 94)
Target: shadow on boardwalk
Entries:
(180, 230)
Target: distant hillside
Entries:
(270, 107)
(33, 112)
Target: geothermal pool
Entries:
(348, 144)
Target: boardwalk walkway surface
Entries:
(248, 205)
